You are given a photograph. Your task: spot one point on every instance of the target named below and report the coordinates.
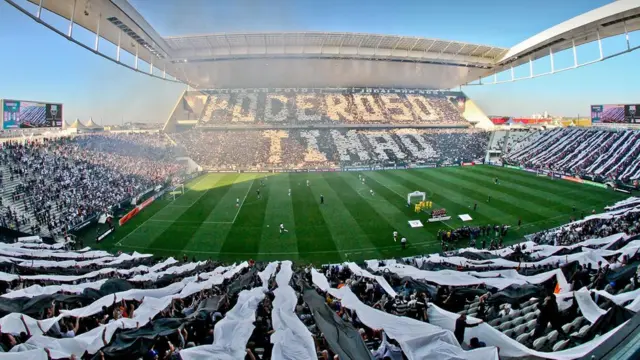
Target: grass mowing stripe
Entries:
(374, 227)
(377, 182)
(556, 186)
(345, 230)
(596, 198)
(312, 231)
(323, 234)
(452, 200)
(279, 208)
(177, 237)
(244, 236)
(540, 197)
(397, 216)
(215, 228)
(148, 231)
(501, 203)
(499, 193)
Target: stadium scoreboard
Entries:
(615, 114)
(20, 114)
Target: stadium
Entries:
(320, 195)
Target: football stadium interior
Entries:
(321, 195)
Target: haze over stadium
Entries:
(319, 180)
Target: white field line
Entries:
(243, 200)
(119, 243)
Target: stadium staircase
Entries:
(8, 189)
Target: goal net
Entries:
(416, 197)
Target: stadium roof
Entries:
(321, 59)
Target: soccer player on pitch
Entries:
(282, 229)
(395, 236)
(321, 199)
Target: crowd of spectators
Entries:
(54, 184)
(599, 153)
(288, 108)
(255, 149)
(123, 306)
(591, 227)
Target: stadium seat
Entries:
(520, 329)
(552, 336)
(577, 321)
(504, 326)
(510, 333)
(560, 345)
(519, 320)
(567, 327)
(539, 342)
(584, 329)
(531, 324)
(523, 338)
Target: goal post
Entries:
(416, 194)
(177, 191)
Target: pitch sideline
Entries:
(119, 243)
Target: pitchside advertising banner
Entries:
(18, 114)
(615, 114)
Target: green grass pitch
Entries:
(352, 224)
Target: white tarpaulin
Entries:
(588, 308)
(499, 279)
(356, 269)
(37, 290)
(105, 261)
(510, 348)
(36, 354)
(319, 280)
(232, 333)
(174, 270)
(291, 339)
(419, 340)
(623, 298)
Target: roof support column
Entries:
(119, 47)
(575, 53)
(599, 43)
(553, 69)
(530, 67)
(626, 35)
(97, 43)
(73, 12)
(39, 10)
(136, 62)
(512, 74)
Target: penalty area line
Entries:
(119, 243)
(243, 200)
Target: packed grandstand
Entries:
(558, 295)
(329, 104)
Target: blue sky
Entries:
(40, 65)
